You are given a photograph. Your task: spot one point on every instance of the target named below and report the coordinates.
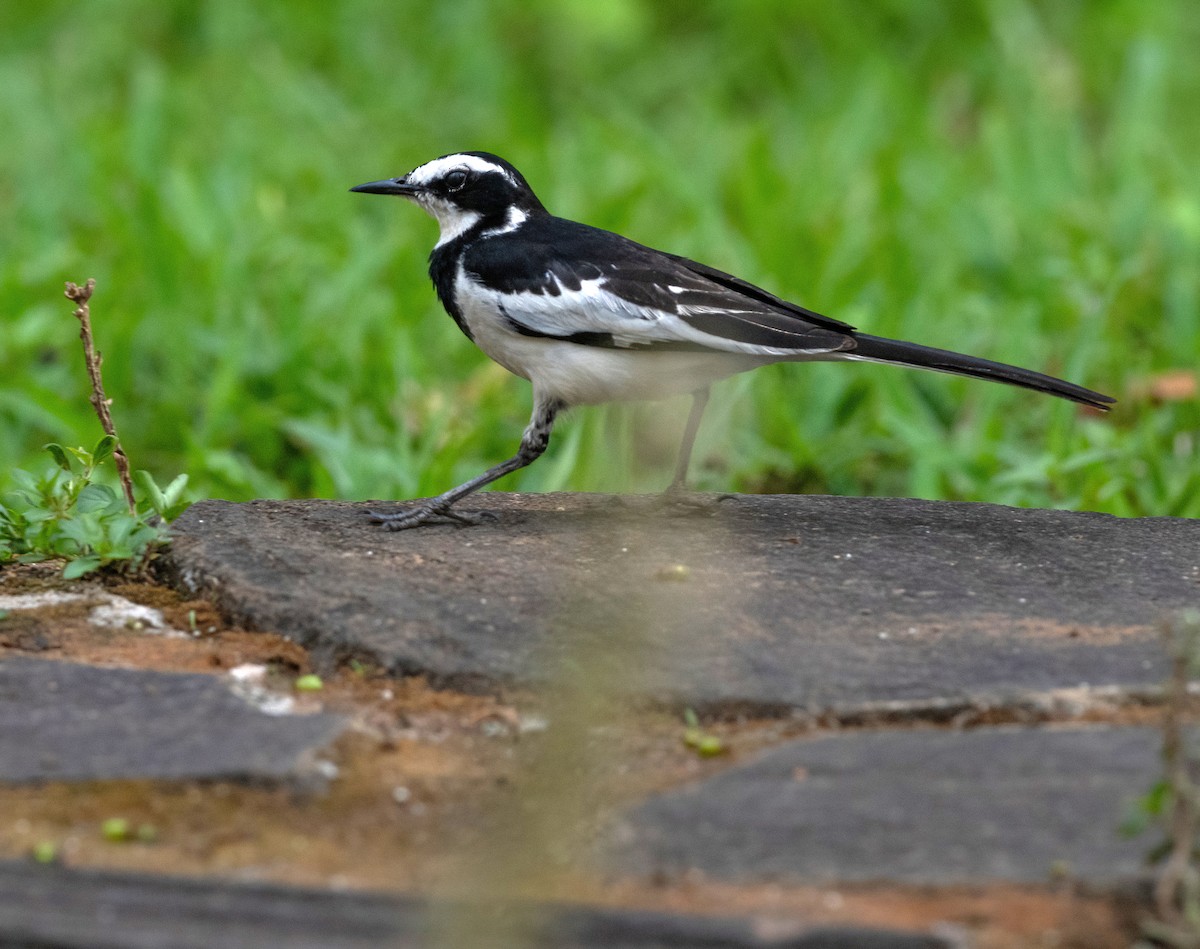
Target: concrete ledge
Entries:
(71, 909)
(763, 603)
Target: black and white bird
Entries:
(589, 316)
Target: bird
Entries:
(589, 316)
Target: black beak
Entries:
(398, 186)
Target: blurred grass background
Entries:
(1016, 180)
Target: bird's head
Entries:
(462, 190)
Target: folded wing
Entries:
(595, 288)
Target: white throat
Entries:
(453, 220)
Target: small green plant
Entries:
(120, 830)
(705, 744)
(66, 513)
(1173, 804)
(309, 683)
(115, 829)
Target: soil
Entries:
(430, 782)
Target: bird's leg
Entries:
(533, 443)
(678, 485)
(677, 494)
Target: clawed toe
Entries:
(684, 499)
(427, 514)
(466, 518)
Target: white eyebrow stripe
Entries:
(433, 170)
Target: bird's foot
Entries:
(681, 497)
(431, 512)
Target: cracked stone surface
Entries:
(923, 807)
(43, 906)
(62, 721)
(761, 602)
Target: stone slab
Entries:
(924, 807)
(74, 909)
(61, 721)
(756, 601)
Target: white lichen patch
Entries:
(110, 611)
(20, 602)
(248, 672)
(262, 698)
(119, 613)
(247, 682)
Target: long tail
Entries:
(877, 348)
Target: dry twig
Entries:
(80, 296)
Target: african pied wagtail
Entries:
(589, 316)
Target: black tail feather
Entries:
(941, 360)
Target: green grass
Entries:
(1009, 179)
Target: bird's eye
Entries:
(456, 180)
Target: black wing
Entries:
(571, 281)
